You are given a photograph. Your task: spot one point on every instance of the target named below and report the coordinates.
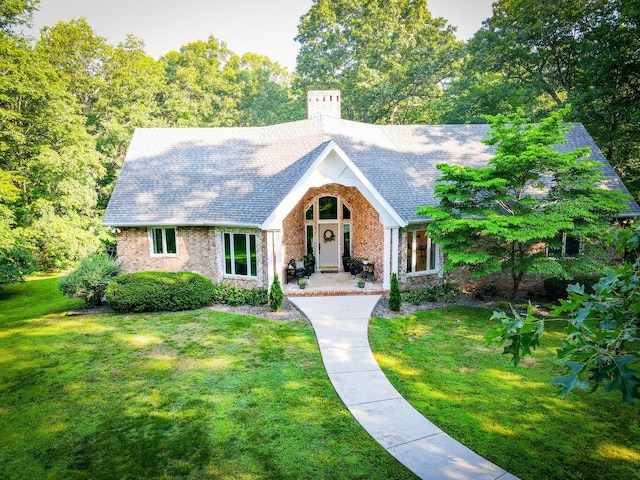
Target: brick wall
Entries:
(200, 250)
(367, 233)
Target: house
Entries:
(236, 204)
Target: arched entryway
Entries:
(328, 231)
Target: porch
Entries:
(342, 283)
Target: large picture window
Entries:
(164, 241)
(240, 254)
(422, 253)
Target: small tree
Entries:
(602, 346)
(275, 295)
(395, 299)
(89, 281)
(491, 218)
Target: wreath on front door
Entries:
(328, 236)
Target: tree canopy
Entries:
(389, 59)
(542, 55)
(495, 218)
(70, 101)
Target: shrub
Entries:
(395, 299)
(556, 288)
(488, 290)
(445, 292)
(234, 296)
(275, 295)
(159, 292)
(89, 281)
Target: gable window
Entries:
(164, 241)
(240, 254)
(564, 246)
(422, 253)
(328, 208)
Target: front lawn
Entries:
(187, 395)
(513, 417)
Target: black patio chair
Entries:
(296, 269)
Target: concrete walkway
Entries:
(341, 327)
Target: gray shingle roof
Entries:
(229, 176)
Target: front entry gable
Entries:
(333, 166)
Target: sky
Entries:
(266, 27)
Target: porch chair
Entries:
(296, 269)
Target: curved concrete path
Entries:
(341, 327)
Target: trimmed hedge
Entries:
(445, 292)
(556, 288)
(234, 296)
(159, 292)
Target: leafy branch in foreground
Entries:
(602, 347)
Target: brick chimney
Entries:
(323, 102)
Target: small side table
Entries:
(368, 271)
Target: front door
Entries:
(328, 245)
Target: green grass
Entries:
(185, 395)
(512, 416)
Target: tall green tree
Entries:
(199, 90)
(15, 14)
(78, 55)
(264, 91)
(578, 52)
(49, 156)
(389, 59)
(493, 218)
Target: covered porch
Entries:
(342, 283)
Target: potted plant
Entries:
(345, 262)
(303, 283)
(361, 283)
(310, 262)
(355, 265)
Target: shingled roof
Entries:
(239, 175)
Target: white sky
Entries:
(266, 27)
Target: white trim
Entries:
(314, 177)
(386, 259)
(395, 252)
(164, 253)
(434, 269)
(271, 271)
(250, 273)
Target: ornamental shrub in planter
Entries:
(159, 292)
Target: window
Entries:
(310, 239)
(240, 254)
(164, 241)
(346, 213)
(564, 245)
(328, 208)
(422, 253)
(346, 239)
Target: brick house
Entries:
(236, 204)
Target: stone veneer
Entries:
(367, 233)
